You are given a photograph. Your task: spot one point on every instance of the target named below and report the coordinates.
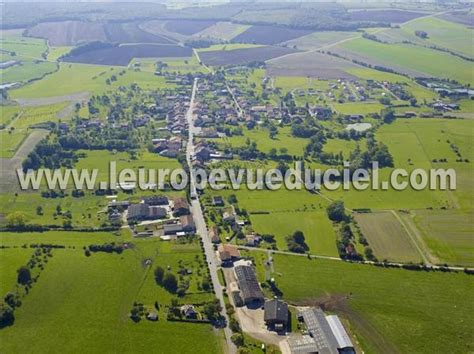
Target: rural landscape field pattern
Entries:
(181, 85)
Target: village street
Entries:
(201, 228)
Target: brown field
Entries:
(242, 56)
(394, 16)
(222, 30)
(387, 237)
(121, 55)
(68, 33)
(311, 64)
(269, 35)
(188, 27)
(130, 32)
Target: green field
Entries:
(415, 58)
(318, 230)
(384, 305)
(88, 210)
(82, 303)
(358, 108)
(387, 237)
(283, 139)
(448, 235)
(442, 33)
(73, 78)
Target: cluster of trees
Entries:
(106, 138)
(106, 247)
(50, 155)
(345, 243)
(376, 152)
(166, 279)
(296, 242)
(87, 48)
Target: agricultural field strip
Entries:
(288, 253)
(326, 46)
(413, 238)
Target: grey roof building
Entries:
(138, 212)
(172, 229)
(276, 314)
(248, 284)
(319, 329)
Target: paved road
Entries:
(201, 224)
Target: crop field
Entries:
(187, 27)
(387, 237)
(40, 114)
(55, 53)
(122, 55)
(269, 35)
(130, 32)
(358, 108)
(74, 78)
(317, 40)
(310, 64)
(410, 59)
(117, 281)
(68, 33)
(443, 33)
(383, 305)
(10, 142)
(242, 56)
(223, 30)
(448, 234)
(318, 230)
(370, 74)
(27, 70)
(393, 16)
(8, 113)
(31, 48)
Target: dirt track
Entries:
(43, 101)
(8, 178)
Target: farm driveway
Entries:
(9, 166)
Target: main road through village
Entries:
(201, 224)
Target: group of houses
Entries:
(176, 215)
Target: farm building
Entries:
(156, 212)
(248, 284)
(188, 223)
(137, 212)
(172, 229)
(343, 341)
(327, 332)
(180, 207)
(155, 200)
(228, 253)
(276, 314)
(302, 344)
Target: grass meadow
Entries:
(390, 310)
(82, 303)
(73, 78)
(387, 237)
(412, 57)
(261, 136)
